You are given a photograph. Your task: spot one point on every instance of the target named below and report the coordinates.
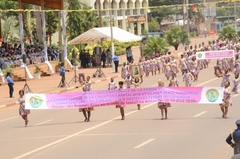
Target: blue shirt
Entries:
(115, 58)
(9, 80)
(62, 70)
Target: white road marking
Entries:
(3, 106)
(199, 114)
(144, 143)
(236, 95)
(85, 130)
(74, 135)
(43, 122)
(207, 82)
(97, 81)
(8, 119)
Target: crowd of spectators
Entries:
(103, 57)
(11, 54)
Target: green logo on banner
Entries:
(35, 101)
(199, 55)
(212, 95)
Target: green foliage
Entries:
(176, 36)
(51, 19)
(7, 69)
(75, 62)
(193, 34)
(6, 4)
(37, 69)
(8, 29)
(79, 22)
(228, 33)
(153, 25)
(222, 11)
(164, 12)
(154, 45)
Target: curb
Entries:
(64, 90)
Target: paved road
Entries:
(192, 131)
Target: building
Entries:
(130, 15)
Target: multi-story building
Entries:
(130, 15)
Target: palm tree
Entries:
(176, 36)
(4, 5)
(79, 22)
(51, 23)
(228, 33)
(154, 45)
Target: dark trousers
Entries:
(116, 66)
(63, 79)
(129, 59)
(104, 62)
(10, 85)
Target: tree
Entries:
(4, 5)
(164, 12)
(221, 11)
(79, 22)
(8, 29)
(176, 36)
(153, 25)
(228, 33)
(51, 24)
(154, 45)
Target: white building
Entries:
(130, 15)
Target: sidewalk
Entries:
(49, 84)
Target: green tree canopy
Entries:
(164, 12)
(228, 33)
(221, 11)
(153, 25)
(154, 45)
(51, 19)
(79, 22)
(176, 36)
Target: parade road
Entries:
(192, 131)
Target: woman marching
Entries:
(124, 70)
(22, 111)
(161, 105)
(236, 85)
(128, 81)
(121, 106)
(167, 70)
(225, 79)
(187, 78)
(226, 99)
(87, 111)
(137, 84)
(112, 85)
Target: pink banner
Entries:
(215, 54)
(188, 95)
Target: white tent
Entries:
(96, 34)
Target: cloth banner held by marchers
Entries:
(187, 95)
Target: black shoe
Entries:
(86, 120)
(123, 118)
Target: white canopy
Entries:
(95, 34)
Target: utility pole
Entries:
(235, 15)
(187, 2)
(100, 13)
